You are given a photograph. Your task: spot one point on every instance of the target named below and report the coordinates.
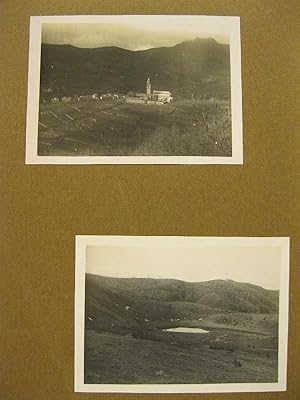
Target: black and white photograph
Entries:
(134, 89)
(172, 314)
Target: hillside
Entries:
(132, 301)
(199, 66)
(132, 336)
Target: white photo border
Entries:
(33, 95)
(81, 243)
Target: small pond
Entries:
(186, 330)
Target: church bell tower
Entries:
(148, 90)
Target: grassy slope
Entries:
(127, 345)
(117, 128)
(111, 358)
(223, 294)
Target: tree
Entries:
(131, 94)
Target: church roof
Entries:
(161, 92)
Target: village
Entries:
(158, 97)
(150, 122)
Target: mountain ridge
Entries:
(219, 294)
(190, 68)
(184, 42)
(181, 280)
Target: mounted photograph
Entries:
(171, 314)
(134, 89)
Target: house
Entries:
(141, 95)
(107, 96)
(66, 99)
(135, 100)
(85, 98)
(163, 96)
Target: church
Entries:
(163, 96)
(155, 97)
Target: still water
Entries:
(186, 330)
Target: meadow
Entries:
(117, 128)
(126, 340)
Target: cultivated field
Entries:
(107, 128)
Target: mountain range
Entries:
(191, 68)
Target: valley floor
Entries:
(223, 355)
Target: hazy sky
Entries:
(135, 32)
(257, 265)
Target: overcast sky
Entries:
(256, 265)
(135, 32)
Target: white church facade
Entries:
(151, 97)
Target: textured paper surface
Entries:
(44, 207)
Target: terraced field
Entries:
(106, 128)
